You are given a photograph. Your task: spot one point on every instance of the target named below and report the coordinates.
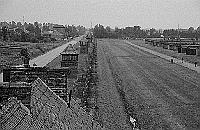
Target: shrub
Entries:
(34, 40)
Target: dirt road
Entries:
(49, 56)
(160, 95)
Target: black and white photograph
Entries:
(99, 65)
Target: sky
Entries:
(159, 14)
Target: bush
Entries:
(53, 39)
(46, 40)
(34, 40)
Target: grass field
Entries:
(10, 57)
(158, 94)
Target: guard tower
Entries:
(89, 38)
(69, 57)
(70, 61)
(83, 47)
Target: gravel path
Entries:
(188, 58)
(175, 60)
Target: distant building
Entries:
(53, 34)
(47, 34)
(182, 30)
(59, 28)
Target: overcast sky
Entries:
(145, 13)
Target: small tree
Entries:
(191, 29)
(30, 28)
(198, 29)
(37, 30)
(4, 33)
(23, 37)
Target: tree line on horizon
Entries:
(136, 32)
(34, 32)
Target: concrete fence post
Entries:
(172, 61)
(195, 64)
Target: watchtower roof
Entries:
(69, 50)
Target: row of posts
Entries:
(182, 60)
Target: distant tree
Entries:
(30, 28)
(40, 25)
(108, 29)
(198, 33)
(19, 30)
(138, 32)
(108, 32)
(74, 30)
(45, 27)
(198, 29)
(1, 33)
(25, 25)
(118, 32)
(35, 23)
(131, 32)
(37, 32)
(99, 31)
(34, 40)
(191, 29)
(10, 24)
(23, 37)
(136, 28)
(5, 33)
(14, 24)
(80, 30)
(71, 30)
(14, 36)
(152, 31)
(19, 24)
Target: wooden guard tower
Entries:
(83, 47)
(69, 57)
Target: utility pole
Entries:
(23, 23)
(72, 30)
(178, 33)
(65, 31)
